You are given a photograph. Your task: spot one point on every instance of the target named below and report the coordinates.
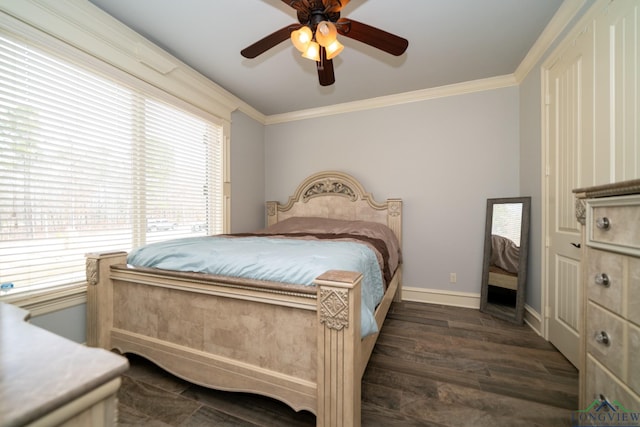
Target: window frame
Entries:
(54, 30)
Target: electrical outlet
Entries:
(452, 278)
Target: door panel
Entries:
(592, 138)
(570, 165)
(617, 106)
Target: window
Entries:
(507, 220)
(90, 164)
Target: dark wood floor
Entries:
(432, 366)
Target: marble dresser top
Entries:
(41, 371)
(605, 190)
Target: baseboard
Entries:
(533, 319)
(436, 296)
(464, 299)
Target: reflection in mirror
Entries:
(504, 271)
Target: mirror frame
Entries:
(485, 307)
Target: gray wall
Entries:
(69, 323)
(247, 173)
(531, 180)
(444, 157)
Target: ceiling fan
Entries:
(315, 35)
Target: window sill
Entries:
(45, 301)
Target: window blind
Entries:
(90, 164)
(507, 218)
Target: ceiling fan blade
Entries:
(326, 77)
(372, 36)
(273, 39)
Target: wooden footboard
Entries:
(298, 344)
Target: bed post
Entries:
(338, 378)
(272, 213)
(394, 221)
(100, 297)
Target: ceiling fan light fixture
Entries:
(301, 38)
(326, 33)
(312, 52)
(315, 35)
(334, 49)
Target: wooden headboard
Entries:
(337, 195)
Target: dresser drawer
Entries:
(601, 384)
(604, 334)
(613, 223)
(605, 279)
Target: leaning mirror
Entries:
(506, 246)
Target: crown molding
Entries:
(85, 27)
(252, 112)
(567, 11)
(397, 99)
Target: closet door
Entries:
(592, 137)
(569, 165)
(617, 106)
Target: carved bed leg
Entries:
(339, 382)
(100, 297)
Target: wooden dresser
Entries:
(47, 380)
(610, 339)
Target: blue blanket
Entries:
(274, 259)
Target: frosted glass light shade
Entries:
(301, 38)
(312, 52)
(334, 49)
(326, 33)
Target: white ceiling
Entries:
(450, 41)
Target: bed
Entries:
(300, 344)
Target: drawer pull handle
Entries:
(603, 338)
(603, 223)
(603, 279)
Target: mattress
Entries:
(296, 253)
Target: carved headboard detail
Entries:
(332, 194)
(329, 186)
